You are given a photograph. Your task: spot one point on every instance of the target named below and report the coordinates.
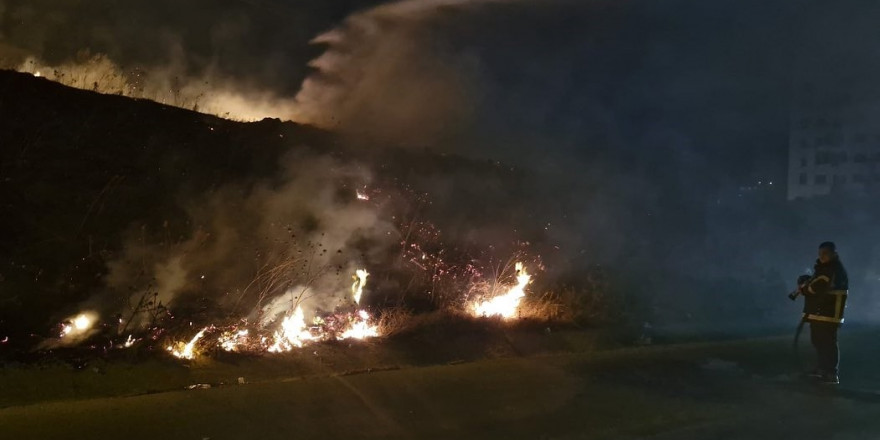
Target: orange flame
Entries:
(507, 304)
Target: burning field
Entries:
(334, 254)
(181, 234)
(287, 242)
(282, 325)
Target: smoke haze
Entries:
(307, 222)
(643, 129)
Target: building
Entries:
(834, 134)
(834, 142)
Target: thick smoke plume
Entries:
(379, 75)
(240, 60)
(388, 75)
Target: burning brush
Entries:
(507, 304)
(292, 332)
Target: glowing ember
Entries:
(230, 341)
(185, 351)
(361, 328)
(293, 333)
(78, 325)
(360, 280)
(82, 322)
(506, 305)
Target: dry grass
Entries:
(570, 305)
(395, 321)
(552, 306)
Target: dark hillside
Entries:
(78, 168)
(81, 172)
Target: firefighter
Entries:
(824, 302)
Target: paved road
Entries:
(703, 392)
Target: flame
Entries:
(360, 280)
(506, 305)
(78, 325)
(230, 341)
(361, 328)
(128, 342)
(362, 196)
(185, 351)
(293, 333)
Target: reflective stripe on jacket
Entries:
(826, 293)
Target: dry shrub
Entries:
(552, 305)
(568, 304)
(395, 321)
(437, 325)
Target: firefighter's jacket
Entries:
(825, 293)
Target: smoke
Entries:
(386, 73)
(240, 60)
(258, 249)
(603, 100)
(640, 123)
(380, 74)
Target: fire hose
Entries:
(802, 281)
(796, 347)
